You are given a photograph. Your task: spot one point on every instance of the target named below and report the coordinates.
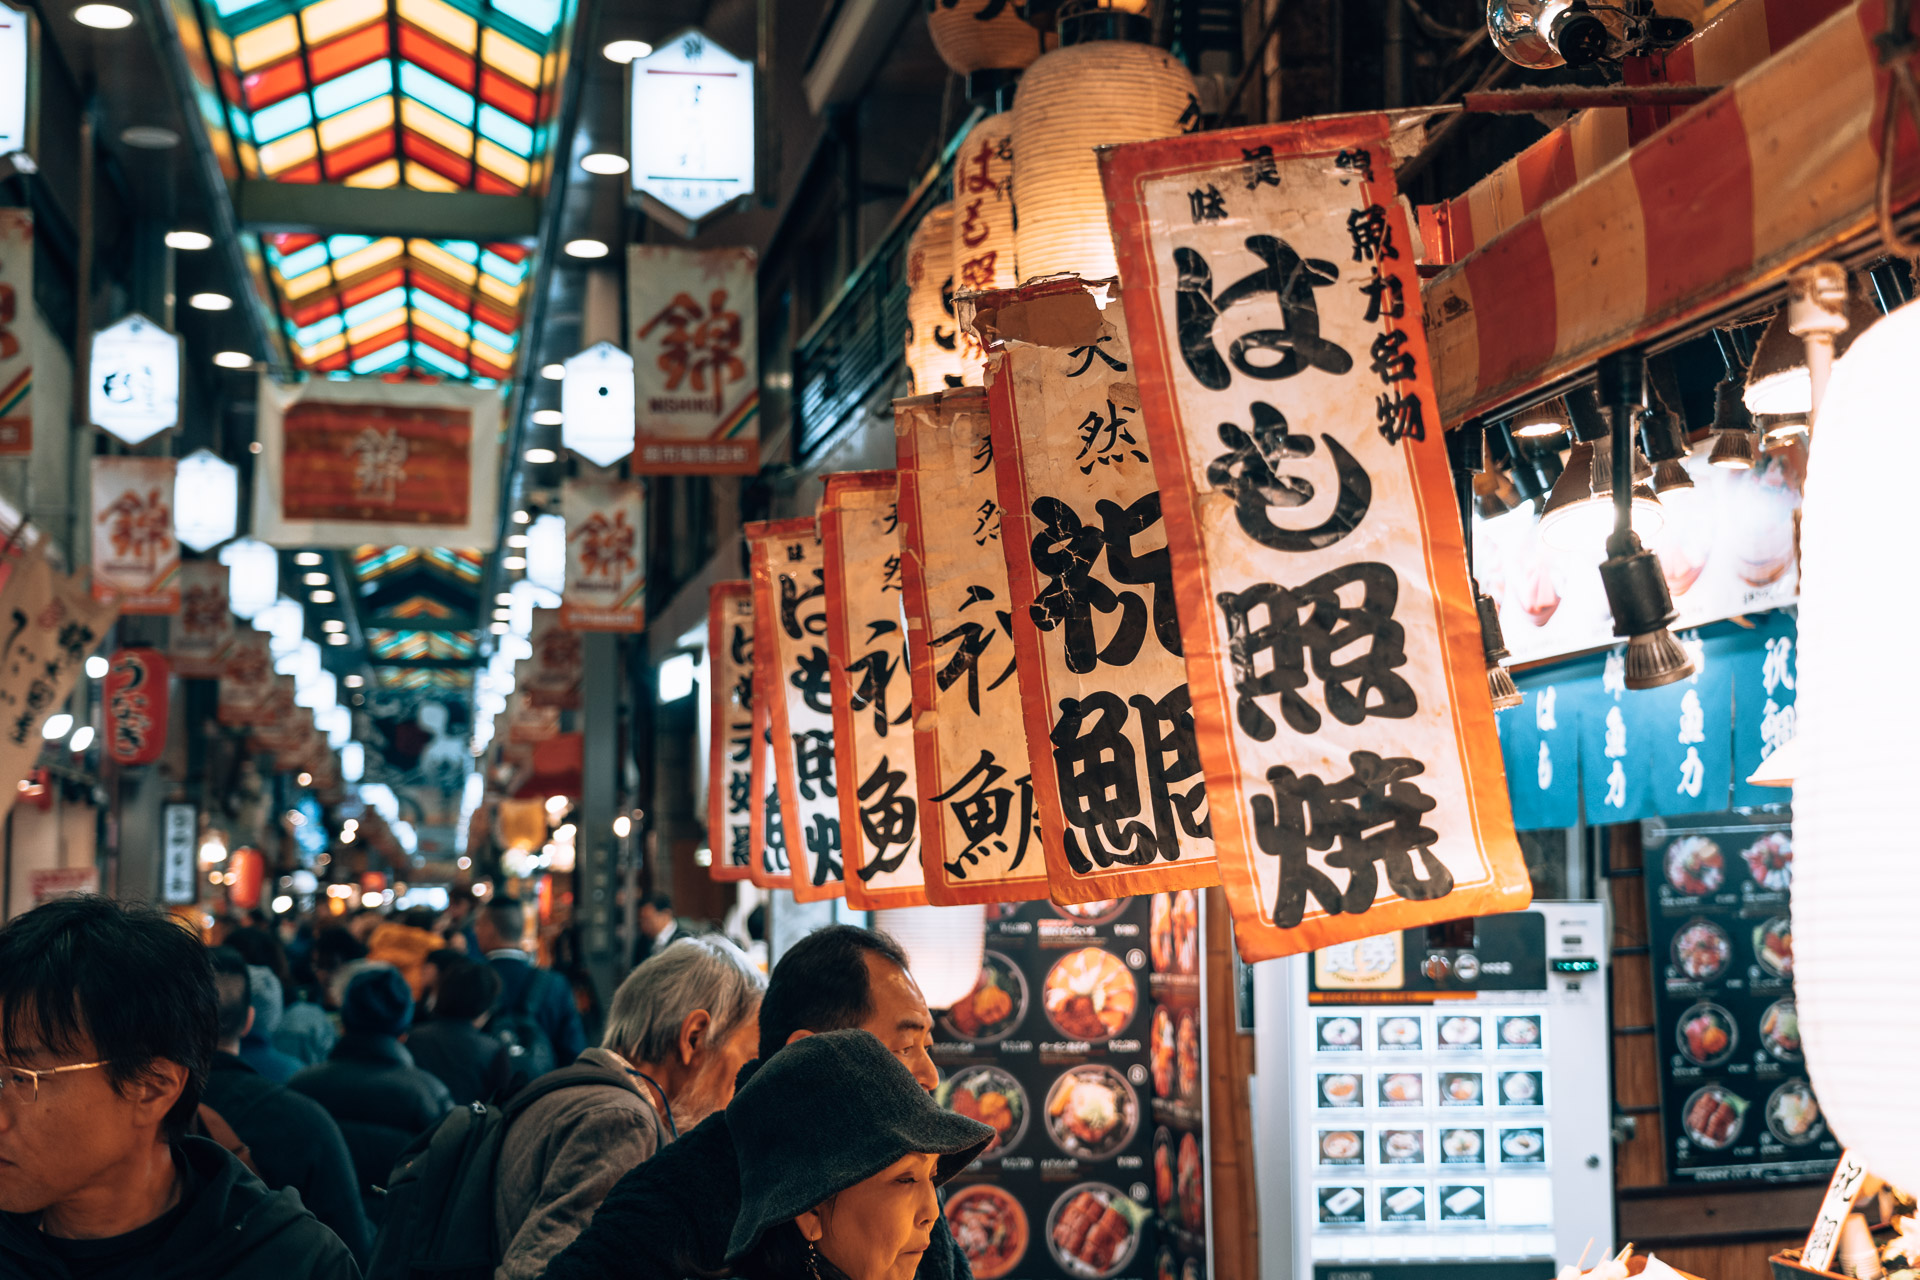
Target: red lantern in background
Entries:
(137, 701)
(248, 868)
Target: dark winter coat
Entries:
(381, 1102)
(472, 1064)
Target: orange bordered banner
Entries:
(871, 691)
(768, 866)
(730, 767)
(789, 590)
(136, 559)
(606, 582)
(205, 629)
(979, 834)
(1123, 805)
(695, 360)
(1339, 690)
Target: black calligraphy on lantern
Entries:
(1262, 169)
(1290, 281)
(887, 818)
(792, 597)
(983, 809)
(823, 842)
(1085, 355)
(1364, 824)
(1067, 550)
(1257, 471)
(1126, 806)
(1107, 439)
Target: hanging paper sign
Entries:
(692, 129)
(528, 724)
(204, 631)
(695, 360)
(606, 581)
(872, 692)
(274, 726)
(344, 464)
(212, 515)
(54, 624)
(134, 372)
(768, 864)
(16, 308)
(137, 704)
(553, 673)
(979, 834)
(1338, 681)
(245, 677)
(1540, 742)
(789, 588)
(136, 558)
(1123, 807)
(730, 730)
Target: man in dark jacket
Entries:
(369, 1085)
(107, 1028)
(292, 1142)
(472, 1064)
(524, 987)
(672, 1216)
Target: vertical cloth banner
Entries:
(16, 331)
(136, 559)
(979, 840)
(553, 672)
(730, 734)
(204, 631)
(53, 624)
(789, 588)
(343, 464)
(245, 677)
(1540, 741)
(768, 864)
(1662, 752)
(1764, 669)
(1110, 727)
(696, 360)
(1338, 682)
(872, 693)
(606, 560)
(137, 704)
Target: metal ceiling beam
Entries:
(333, 208)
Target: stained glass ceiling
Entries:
(422, 679)
(416, 646)
(417, 589)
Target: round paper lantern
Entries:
(983, 223)
(248, 867)
(933, 336)
(944, 947)
(981, 35)
(1071, 101)
(1856, 876)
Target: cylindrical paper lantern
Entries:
(1071, 101)
(248, 867)
(983, 224)
(137, 705)
(933, 337)
(1856, 877)
(981, 35)
(944, 947)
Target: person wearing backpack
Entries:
(535, 1017)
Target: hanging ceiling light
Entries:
(1493, 643)
(1636, 587)
(1732, 426)
(1547, 33)
(1544, 421)
(1663, 438)
(1778, 430)
(1579, 512)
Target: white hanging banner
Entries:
(134, 379)
(136, 558)
(16, 322)
(204, 632)
(606, 557)
(696, 367)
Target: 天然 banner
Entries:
(696, 369)
(606, 556)
(136, 559)
(730, 731)
(979, 831)
(1316, 554)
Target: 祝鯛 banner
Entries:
(789, 588)
(245, 677)
(979, 836)
(768, 864)
(57, 624)
(730, 730)
(344, 464)
(136, 559)
(606, 582)
(137, 705)
(551, 677)
(204, 631)
(696, 360)
(871, 692)
(1123, 805)
(16, 331)
(1339, 687)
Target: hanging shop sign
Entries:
(596, 404)
(696, 364)
(606, 573)
(136, 559)
(932, 336)
(529, 724)
(552, 674)
(979, 833)
(1103, 685)
(16, 309)
(789, 589)
(1339, 682)
(1765, 666)
(179, 827)
(983, 227)
(730, 798)
(871, 692)
(204, 631)
(344, 464)
(245, 678)
(213, 513)
(137, 706)
(769, 866)
(57, 624)
(133, 376)
(691, 129)
(16, 84)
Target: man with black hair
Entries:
(658, 928)
(472, 1064)
(534, 1003)
(291, 1139)
(108, 1022)
(672, 1216)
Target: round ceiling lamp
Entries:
(103, 17)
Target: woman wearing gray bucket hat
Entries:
(840, 1151)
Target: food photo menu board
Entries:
(1050, 1048)
(1179, 1086)
(1734, 1088)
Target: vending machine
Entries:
(1433, 1104)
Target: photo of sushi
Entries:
(1403, 1203)
(1714, 1116)
(1341, 1205)
(1770, 861)
(1780, 1030)
(1773, 946)
(1462, 1146)
(1701, 951)
(1707, 1034)
(1463, 1202)
(1695, 866)
(1340, 1089)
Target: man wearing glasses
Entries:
(107, 1028)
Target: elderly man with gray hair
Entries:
(681, 1027)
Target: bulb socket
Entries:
(1579, 37)
(1733, 450)
(1656, 659)
(1502, 688)
(1671, 477)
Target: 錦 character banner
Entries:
(730, 803)
(696, 373)
(1103, 685)
(790, 593)
(872, 693)
(136, 559)
(979, 833)
(204, 631)
(606, 583)
(1339, 689)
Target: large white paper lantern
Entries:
(206, 507)
(944, 947)
(547, 548)
(253, 576)
(1856, 869)
(133, 373)
(981, 35)
(1070, 101)
(983, 224)
(596, 404)
(933, 337)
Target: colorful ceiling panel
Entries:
(418, 646)
(423, 680)
(370, 562)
